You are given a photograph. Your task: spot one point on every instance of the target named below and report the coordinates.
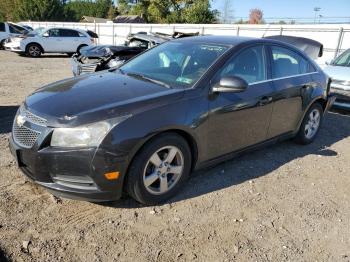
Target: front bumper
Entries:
(342, 94)
(13, 47)
(72, 173)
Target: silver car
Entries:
(339, 71)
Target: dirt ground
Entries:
(283, 203)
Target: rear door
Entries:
(70, 39)
(292, 75)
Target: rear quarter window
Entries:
(286, 62)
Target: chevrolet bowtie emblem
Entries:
(20, 120)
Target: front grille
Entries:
(87, 68)
(24, 136)
(30, 117)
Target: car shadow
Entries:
(336, 127)
(7, 114)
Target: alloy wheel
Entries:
(34, 50)
(313, 124)
(163, 170)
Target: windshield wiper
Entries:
(140, 76)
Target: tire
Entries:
(33, 50)
(311, 125)
(2, 44)
(152, 184)
(80, 47)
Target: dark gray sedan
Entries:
(184, 105)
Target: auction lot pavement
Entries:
(282, 203)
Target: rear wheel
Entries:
(33, 50)
(159, 170)
(310, 125)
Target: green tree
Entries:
(199, 12)
(38, 10)
(123, 7)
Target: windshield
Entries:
(175, 64)
(343, 59)
(37, 31)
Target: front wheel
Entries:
(311, 125)
(33, 50)
(159, 170)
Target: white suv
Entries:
(53, 40)
(10, 30)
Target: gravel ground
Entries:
(283, 203)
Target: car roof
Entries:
(215, 39)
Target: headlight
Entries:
(84, 136)
(115, 63)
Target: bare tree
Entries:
(255, 16)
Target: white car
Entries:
(339, 70)
(52, 40)
(8, 29)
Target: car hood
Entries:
(338, 72)
(108, 50)
(94, 97)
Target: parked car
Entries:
(181, 106)
(97, 58)
(52, 40)
(8, 29)
(339, 71)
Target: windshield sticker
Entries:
(184, 80)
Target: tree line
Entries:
(152, 11)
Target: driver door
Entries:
(52, 41)
(239, 120)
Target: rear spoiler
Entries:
(311, 47)
(92, 34)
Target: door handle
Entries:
(265, 100)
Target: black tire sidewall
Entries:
(135, 185)
(301, 137)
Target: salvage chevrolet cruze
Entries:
(181, 106)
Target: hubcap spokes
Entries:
(163, 170)
(34, 51)
(313, 123)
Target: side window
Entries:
(288, 63)
(248, 64)
(68, 33)
(2, 27)
(54, 33)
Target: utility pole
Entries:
(316, 10)
(228, 12)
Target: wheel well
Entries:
(34, 43)
(189, 139)
(322, 102)
(82, 45)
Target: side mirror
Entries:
(233, 84)
(46, 34)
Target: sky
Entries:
(280, 8)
